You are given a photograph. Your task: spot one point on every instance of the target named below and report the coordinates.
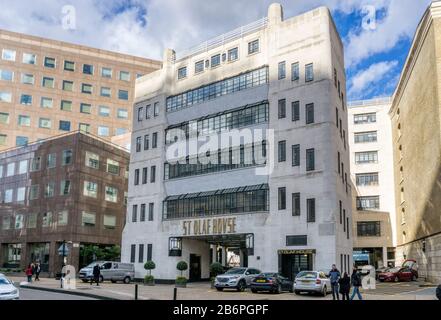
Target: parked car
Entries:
(312, 282)
(236, 278)
(398, 274)
(438, 292)
(7, 289)
(272, 282)
(110, 270)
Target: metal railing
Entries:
(371, 102)
(224, 38)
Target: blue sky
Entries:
(374, 56)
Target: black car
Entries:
(272, 282)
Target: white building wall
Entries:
(308, 38)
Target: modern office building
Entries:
(70, 188)
(416, 128)
(49, 87)
(373, 212)
(265, 105)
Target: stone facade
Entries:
(264, 239)
(415, 115)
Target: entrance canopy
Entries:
(230, 240)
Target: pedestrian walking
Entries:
(28, 272)
(356, 284)
(334, 276)
(345, 286)
(37, 271)
(96, 274)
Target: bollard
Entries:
(136, 291)
(175, 293)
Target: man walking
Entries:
(334, 276)
(96, 274)
(37, 271)
(356, 284)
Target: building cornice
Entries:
(433, 11)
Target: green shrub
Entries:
(216, 268)
(149, 279)
(182, 266)
(149, 265)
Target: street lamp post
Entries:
(63, 264)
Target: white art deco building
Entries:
(278, 201)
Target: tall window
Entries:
(282, 70)
(295, 71)
(138, 144)
(296, 204)
(282, 108)
(144, 175)
(282, 151)
(141, 253)
(309, 72)
(66, 158)
(310, 210)
(151, 211)
(154, 140)
(140, 109)
(253, 46)
(146, 142)
(295, 110)
(282, 198)
(309, 112)
(134, 213)
(136, 177)
(152, 174)
(310, 160)
(65, 187)
(296, 155)
(156, 109)
(142, 213)
(132, 253)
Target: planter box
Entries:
(149, 283)
(181, 285)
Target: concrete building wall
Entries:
(384, 188)
(415, 117)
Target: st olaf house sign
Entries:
(211, 226)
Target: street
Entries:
(31, 294)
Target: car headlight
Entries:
(14, 291)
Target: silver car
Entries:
(109, 270)
(236, 278)
(312, 282)
(7, 289)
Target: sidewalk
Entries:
(202, 291)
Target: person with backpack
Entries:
(356, 284)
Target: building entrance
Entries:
(291, 262)
(195, 267)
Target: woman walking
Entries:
(345, 286)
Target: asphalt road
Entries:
(30, 294)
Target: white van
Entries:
(110, 270)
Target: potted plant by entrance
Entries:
(149, 279)
(216, 268)
(181, 281)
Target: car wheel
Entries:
(113, 281)
(325, 291)
(414, 278)
(241, 286)
(254, 291)
(127, 280)
(297, 292)
(396, 279)
(101, 279)
(278, 289)
(85, 280)
(291, 290)
(220, 289)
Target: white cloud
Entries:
(400, 22)
(376, 73)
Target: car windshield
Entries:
(4, 281)
(307, 274)
(236, 271)
(93, 264)
(268, 274)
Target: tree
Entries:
(182, 266)
(149, 265)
